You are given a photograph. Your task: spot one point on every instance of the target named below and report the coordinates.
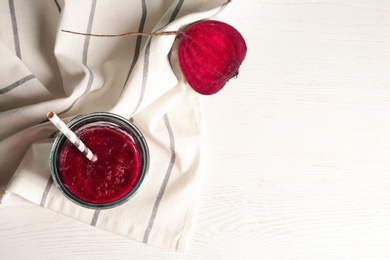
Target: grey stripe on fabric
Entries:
(172, 149)
(58, 6)
(17, 83)
(46, 191)
(176, 11)
(86, 46)
(66, 110)
(95, 217)
(138, 42)
(173, 155)
(49, 182)
(146, 58)
(89, 29)
(14, 28)
(165, 181)
(223, 7)
(144, 76)
(85, 56)
(53, 134)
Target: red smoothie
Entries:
(116, 172)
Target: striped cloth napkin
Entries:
(44, 69)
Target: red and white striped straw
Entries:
(71, 136)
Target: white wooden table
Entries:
(298, 148)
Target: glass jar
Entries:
(120, 169)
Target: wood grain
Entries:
(297, 148)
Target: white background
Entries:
(297, 148)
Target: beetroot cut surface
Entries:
(210, 53)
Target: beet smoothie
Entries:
(116, 174)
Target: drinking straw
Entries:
(71, 136)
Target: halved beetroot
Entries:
(210, 53)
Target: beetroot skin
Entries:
(210, 53)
